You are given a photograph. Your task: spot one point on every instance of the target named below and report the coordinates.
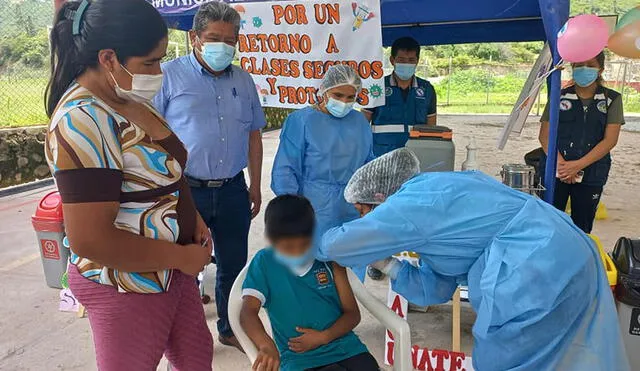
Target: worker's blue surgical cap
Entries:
(374, 182)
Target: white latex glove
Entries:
(389, 266)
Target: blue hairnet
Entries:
(340, 75)
(382, 177)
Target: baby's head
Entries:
(289, 225)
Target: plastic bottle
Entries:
(471, 162)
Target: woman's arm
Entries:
(421, 285)
(311, 338)
(268, 357)
(378, 235)
(570, 169)
(287, 166)
(93, 235)
(543, 137)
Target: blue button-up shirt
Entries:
(212, 115)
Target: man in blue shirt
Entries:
(410, 100)
(214, 109)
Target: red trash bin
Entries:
(48, 223)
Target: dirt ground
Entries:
(36, 336)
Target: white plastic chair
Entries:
(398, 326)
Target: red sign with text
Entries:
(50, 249)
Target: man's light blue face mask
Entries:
(217, 55)
(405, 71)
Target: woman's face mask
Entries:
(143, 87)
(299, 264)
(338, 108)
(217, 55)
(585, 76)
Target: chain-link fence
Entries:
(462, 87)
(24, 56)
(494, 87)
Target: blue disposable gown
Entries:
(535, 280)
(317, 156)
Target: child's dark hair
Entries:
(132, 28)
(289, 216)
(405, 43)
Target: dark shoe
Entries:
(231, 341)
(375, 274)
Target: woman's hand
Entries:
(568, 171)
(268, 359)
(196, 257)
(309, 340)
(202, 233)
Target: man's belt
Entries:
(213, 183)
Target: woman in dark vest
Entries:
(590, 119)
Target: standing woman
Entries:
(322, 146)
(136, 237)
(590, 119)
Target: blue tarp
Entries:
(451, 22)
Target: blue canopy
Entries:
(451, 22)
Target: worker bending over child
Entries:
(536, 281)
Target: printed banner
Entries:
(288, 46)
(423, 359)
(173, 7)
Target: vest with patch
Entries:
(580, 128)
(393, 121)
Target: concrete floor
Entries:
(36, 336)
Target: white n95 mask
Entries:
(143, 87)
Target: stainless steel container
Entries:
(520, 177)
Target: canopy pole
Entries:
(554, 14)
(552, 149)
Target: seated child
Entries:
(310, 303)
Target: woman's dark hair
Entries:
(289, 216)
(132, 28)
(601, 59)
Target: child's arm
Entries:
(268, 356)
(310, 338)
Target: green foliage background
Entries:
(24, 55)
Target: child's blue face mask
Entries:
(299, 264)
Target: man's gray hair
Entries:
(215, 11)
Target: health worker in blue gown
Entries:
(322, 146)
(535, 280)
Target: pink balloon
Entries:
(582, 38)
